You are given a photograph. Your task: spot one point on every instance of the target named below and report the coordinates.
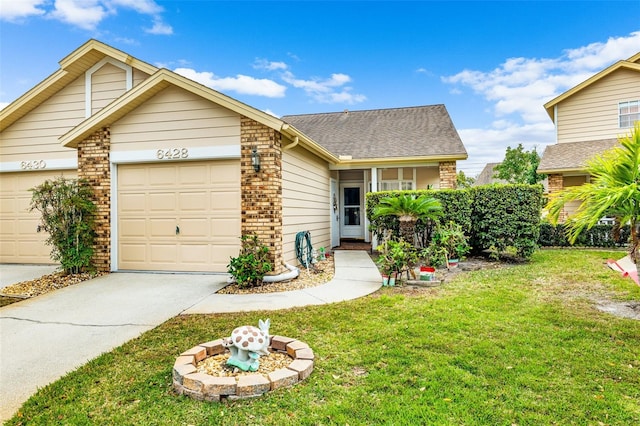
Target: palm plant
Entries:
(614, 190)
(408, 209)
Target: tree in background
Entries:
(614, 190)
(463, 181)
(67, 215)
(519, 166)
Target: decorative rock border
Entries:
(204, 387)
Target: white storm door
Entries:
(351, 212)
(335, 214)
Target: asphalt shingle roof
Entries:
(425, 131)
(572, 156)
(486, 175)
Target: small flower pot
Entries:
(385, 280)
(453, 263)
(427, 273)
(392, 281)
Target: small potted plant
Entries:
(451, 241)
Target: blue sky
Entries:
(493, 64)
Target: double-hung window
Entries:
(629, 113)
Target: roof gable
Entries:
(157, 82)
(384, 134)
(632, 64)
(71, 67)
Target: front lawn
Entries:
(520, 345)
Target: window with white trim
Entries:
(394, 185)
(629, 113)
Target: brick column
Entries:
(94, 166)
(556, 184)
(261, 201)
(447, 175)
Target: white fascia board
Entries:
(39, 165)
(192, 153)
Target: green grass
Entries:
(520, 345)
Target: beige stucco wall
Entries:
(305, 199)
(35, 136)
(175, 118)
(592, 113)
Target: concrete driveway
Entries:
(43, 338)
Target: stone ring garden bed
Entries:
(188, 380)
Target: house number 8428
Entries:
(172, 153)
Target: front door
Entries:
(351, 201)
(335, 214)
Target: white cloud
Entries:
(85, 14)
(159, 28)
(242, 84)
(3, 105)
(518, 89)
(263, 64)
(14, 10)
(325, 90)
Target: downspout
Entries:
(293, 144)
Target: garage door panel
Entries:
(132, 177)
(225, 200)
(163, 253)
(130, 228)
(227, 174)
(134, 252)
(133, 202)
(194, 175)
(7, 205)
(182, 196)
(162, 227)
(162, 202)
(193, 201)
(161, 176)
(19, 241)
(194, 228)
(29, 226)
(196, 254)
(225, 227)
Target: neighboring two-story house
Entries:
(589, 118)
(181, 171)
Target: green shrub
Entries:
(456, 207)
(507, 218)
(598, 236)
(67, 215)
(251, 265)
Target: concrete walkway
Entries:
(45, 337)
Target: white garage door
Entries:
(178, 216)
(20, 241)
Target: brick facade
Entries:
(261, 199)
(447, 174)
(556, 184)
(94, 166)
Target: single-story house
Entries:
(180, 171)
(589, 118)
(486, 176)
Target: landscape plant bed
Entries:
(194, 375)
(524, 344)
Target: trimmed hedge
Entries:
(456, 207)
(507, 217)
(495, 217)
(598, 236)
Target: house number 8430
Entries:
(172, 153)
(33, 165)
